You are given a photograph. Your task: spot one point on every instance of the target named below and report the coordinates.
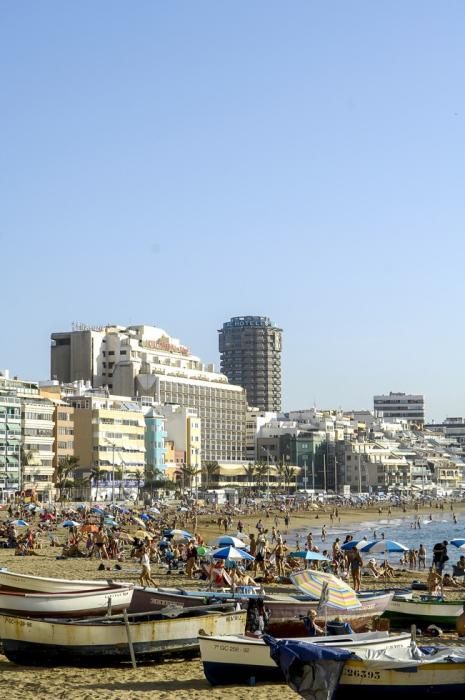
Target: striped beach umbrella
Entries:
(383, 546)
(231, 554)
(338, 594)
(225, 540)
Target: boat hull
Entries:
(446, 680)
(423, 613)
(244, 660)
(53, 642)
(66, 604)
(285, 613)
(10, 581)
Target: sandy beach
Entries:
(171, 678)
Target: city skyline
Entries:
(180, 164)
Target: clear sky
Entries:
(177, 163)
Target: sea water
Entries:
(402, 530)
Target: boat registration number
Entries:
(17, 621)
(362, 673)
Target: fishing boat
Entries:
(50, 642)
(424, 610)
(79, 604)
(244, 659)
(342, 674)
(286, 611)
(11, 581)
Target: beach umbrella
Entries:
(458, 542)
(308, 555)
(110, 521)
(357, 544)
(383, 546)
(140, 534)
(20, 523)
(144, 516)
(180, 534)
(201, 550)
(126, 537)
(154, 510)
(97, 510)
(231, 554)
(70, 523)
(337, 593)
(31, 506)
(138, 521)
(183, 509)
(224, 540)
(88, 527)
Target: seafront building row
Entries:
(132, 406)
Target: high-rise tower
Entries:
(250, 348)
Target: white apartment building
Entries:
(36, 468)
(376, 466)
(395, 405)
(37, 432)
(145, 361)
(255, 421)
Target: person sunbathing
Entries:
(374, 569)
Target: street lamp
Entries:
(112, 470)
(268, 463)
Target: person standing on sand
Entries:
(421, 557)
(145, 578)
(356, 563)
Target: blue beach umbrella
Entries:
(458, 542)
(180, 534)
(354, 543)
(20, 523)
(70, 523)
(144, 516)
(95, 509)
(382, 546)
(308, 556)
(225, 540)
(232, 554)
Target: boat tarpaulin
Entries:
(312, 671)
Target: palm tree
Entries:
(139, 474)
(189, 473)
(288, 473)
(66, 467)
(210, 470)
(262, 471)
(250, 471)
(96, 473)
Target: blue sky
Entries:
(178, 163)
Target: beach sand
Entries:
(171, 678)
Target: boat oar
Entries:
(128, 632)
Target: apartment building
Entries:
(110, 442)
(37, 437)
(398, 406)
(144, 361)
(376, 466)
(250, 349)
(10, 446)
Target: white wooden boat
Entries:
(404, 610)
(66, 604)
(401, 673)
(243, 659)
(10, 581)
(50, 642)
